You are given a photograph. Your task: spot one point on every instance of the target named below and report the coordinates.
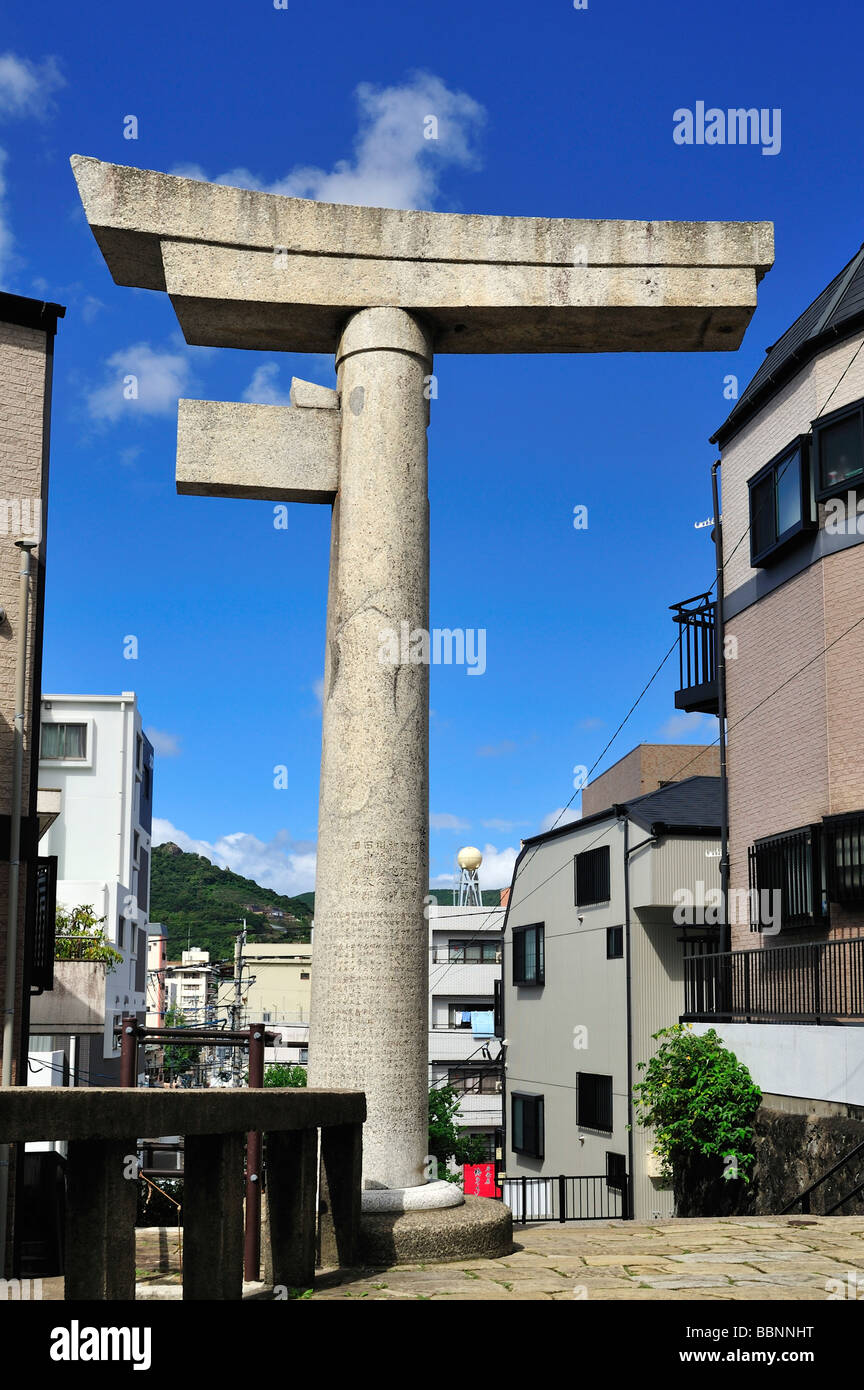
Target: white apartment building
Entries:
(94, 752)
(465, 945)
(190, 986)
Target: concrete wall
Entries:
(797, 757)
(807, 1062)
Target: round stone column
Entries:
(369, 1013)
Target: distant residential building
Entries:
(465, 951)
(191, 985)
(792, 452)
(157, 962)
(94, 751)
(594, 965)
(647, 768)
(277, 984)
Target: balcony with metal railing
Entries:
(816, 982)
(697, 654)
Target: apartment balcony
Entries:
(481, 1110)
(697, 655)
(817, 982)
(472, 979)
(458, 1044)
(76, 1004)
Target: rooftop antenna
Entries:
(469, 860)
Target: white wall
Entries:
(796, 1059)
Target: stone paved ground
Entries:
(778, 1258)
(738, 1258)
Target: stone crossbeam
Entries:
(262, 271)
(266, 451)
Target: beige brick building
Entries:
(27, 329)
(794, 606)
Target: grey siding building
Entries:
(593, 966)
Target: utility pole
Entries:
(237, 1008)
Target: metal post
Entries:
(720, 648)
(524, 1201)
(562, 1198)
(252, 1245)
(129, 1050)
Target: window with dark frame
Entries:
(844, 857)
(528, 955)
(591, 872)
(472, 952)
(63, 741)
(616, 1171)
(484, 1081)
(780, 503)
(526, 1113)
(785, 872)
(838, 451)
(594, 1101)
(614, 943)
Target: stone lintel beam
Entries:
(258, 270)
(274, 452)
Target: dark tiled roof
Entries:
(691, 804)
(837, 311)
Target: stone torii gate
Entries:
(383, 290)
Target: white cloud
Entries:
(26, 88)
(689, 728)
(497, 750)
(164, 745)
(283, 864)
(563, 816)
(505, 826)
(444, 821)
(5, 230)
(318, 687)
(395, 164)
(263, 389)
(158, 378)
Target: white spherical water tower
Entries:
(469, 860)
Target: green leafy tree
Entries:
(447, 1140)
(285, 1074)
(178, 1059)
(79, 935)
(701, 1102)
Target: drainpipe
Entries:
(629, 849)
(719, 628)
(14, 865)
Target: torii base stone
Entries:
(384, 290)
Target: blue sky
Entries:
(544, 110)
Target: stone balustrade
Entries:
(103, 1125)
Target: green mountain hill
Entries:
(203, 906)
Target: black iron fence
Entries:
(561, 1198)
(820, 982)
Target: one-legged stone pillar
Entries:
(369, 986)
